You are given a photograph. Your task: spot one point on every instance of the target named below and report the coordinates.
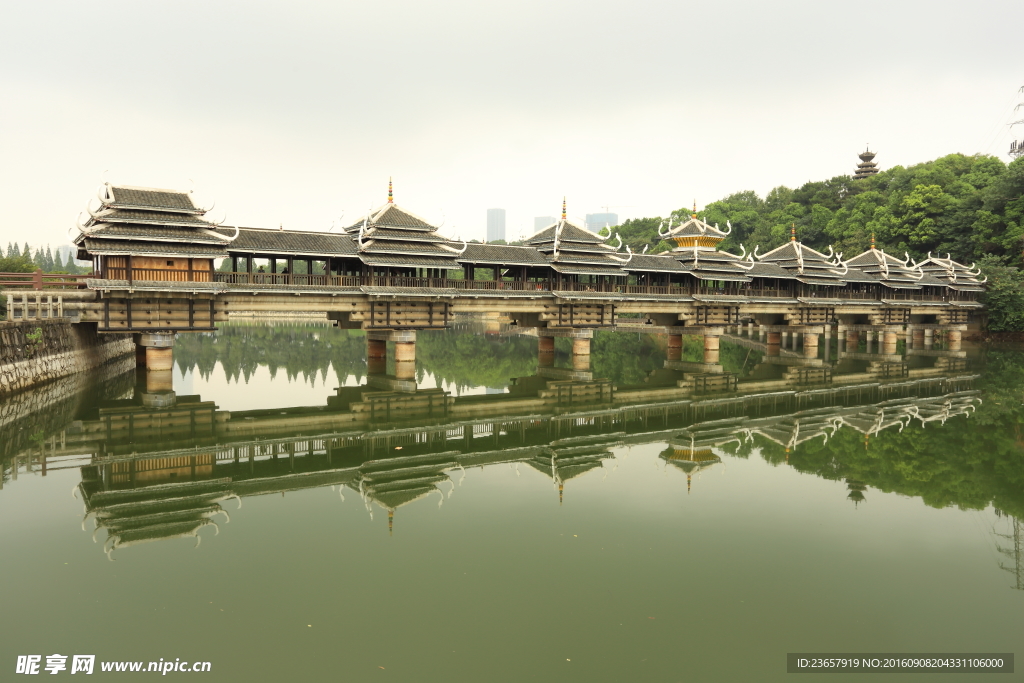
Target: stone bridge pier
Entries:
(580, 337)
(154, 352)
(405, 351)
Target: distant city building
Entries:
(495, 224)
(541, 222)
(597, 221)
(866, 167)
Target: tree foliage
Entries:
(968, 206)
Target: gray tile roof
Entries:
(392, 216)
(954, 275)
(824, 281)
(398, 261)
(500, 254)
(150, 218)
(583, 269)
(139, 248)
(804, 263)
(396, 247)
(582, 258)
(568, 233)
(577, 247)
(653, 263)
(408, 235)
(151, 198)
(769, 270)
(289, 242)
(891, 271)
(161, 233)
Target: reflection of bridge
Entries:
(153, 472)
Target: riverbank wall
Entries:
(33, 352)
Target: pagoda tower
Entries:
(866, 167)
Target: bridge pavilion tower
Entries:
(719, 273)
(398, 246)
(153, 252)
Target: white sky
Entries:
(292, 112)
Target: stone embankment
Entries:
(27, 418)
(36, 351)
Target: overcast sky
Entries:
(294, 112)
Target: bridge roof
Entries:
(125, 248)
(158, 233)
(150, 218)
(587, 269)
(712, 264)
(149, 199)
(408, 261)
(652, 263)
(290, 242)
(568, 232)
(954, 275)
(501, 254)
(891, 271)
(395, 217)
(804, 262)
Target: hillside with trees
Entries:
(971, 207)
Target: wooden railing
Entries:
(158, 275)
(39, 280)
(293, 280)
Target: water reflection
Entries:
(151, 472)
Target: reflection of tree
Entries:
(475, 360)
(298, 351)
(624, 357)
(732, 357)
(1015, 553)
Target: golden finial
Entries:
(563, 208)
(560, 487)
(391, 522)
(872, 240)
(391, 195)
(792, 232)
(688, 483)
(694, 208)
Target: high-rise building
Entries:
(597, 221)
(495, 224)
(541, 222)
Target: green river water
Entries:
(618, 524)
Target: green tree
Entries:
(1004, 295)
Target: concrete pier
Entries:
(711, 348)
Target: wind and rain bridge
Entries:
(392, 273)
